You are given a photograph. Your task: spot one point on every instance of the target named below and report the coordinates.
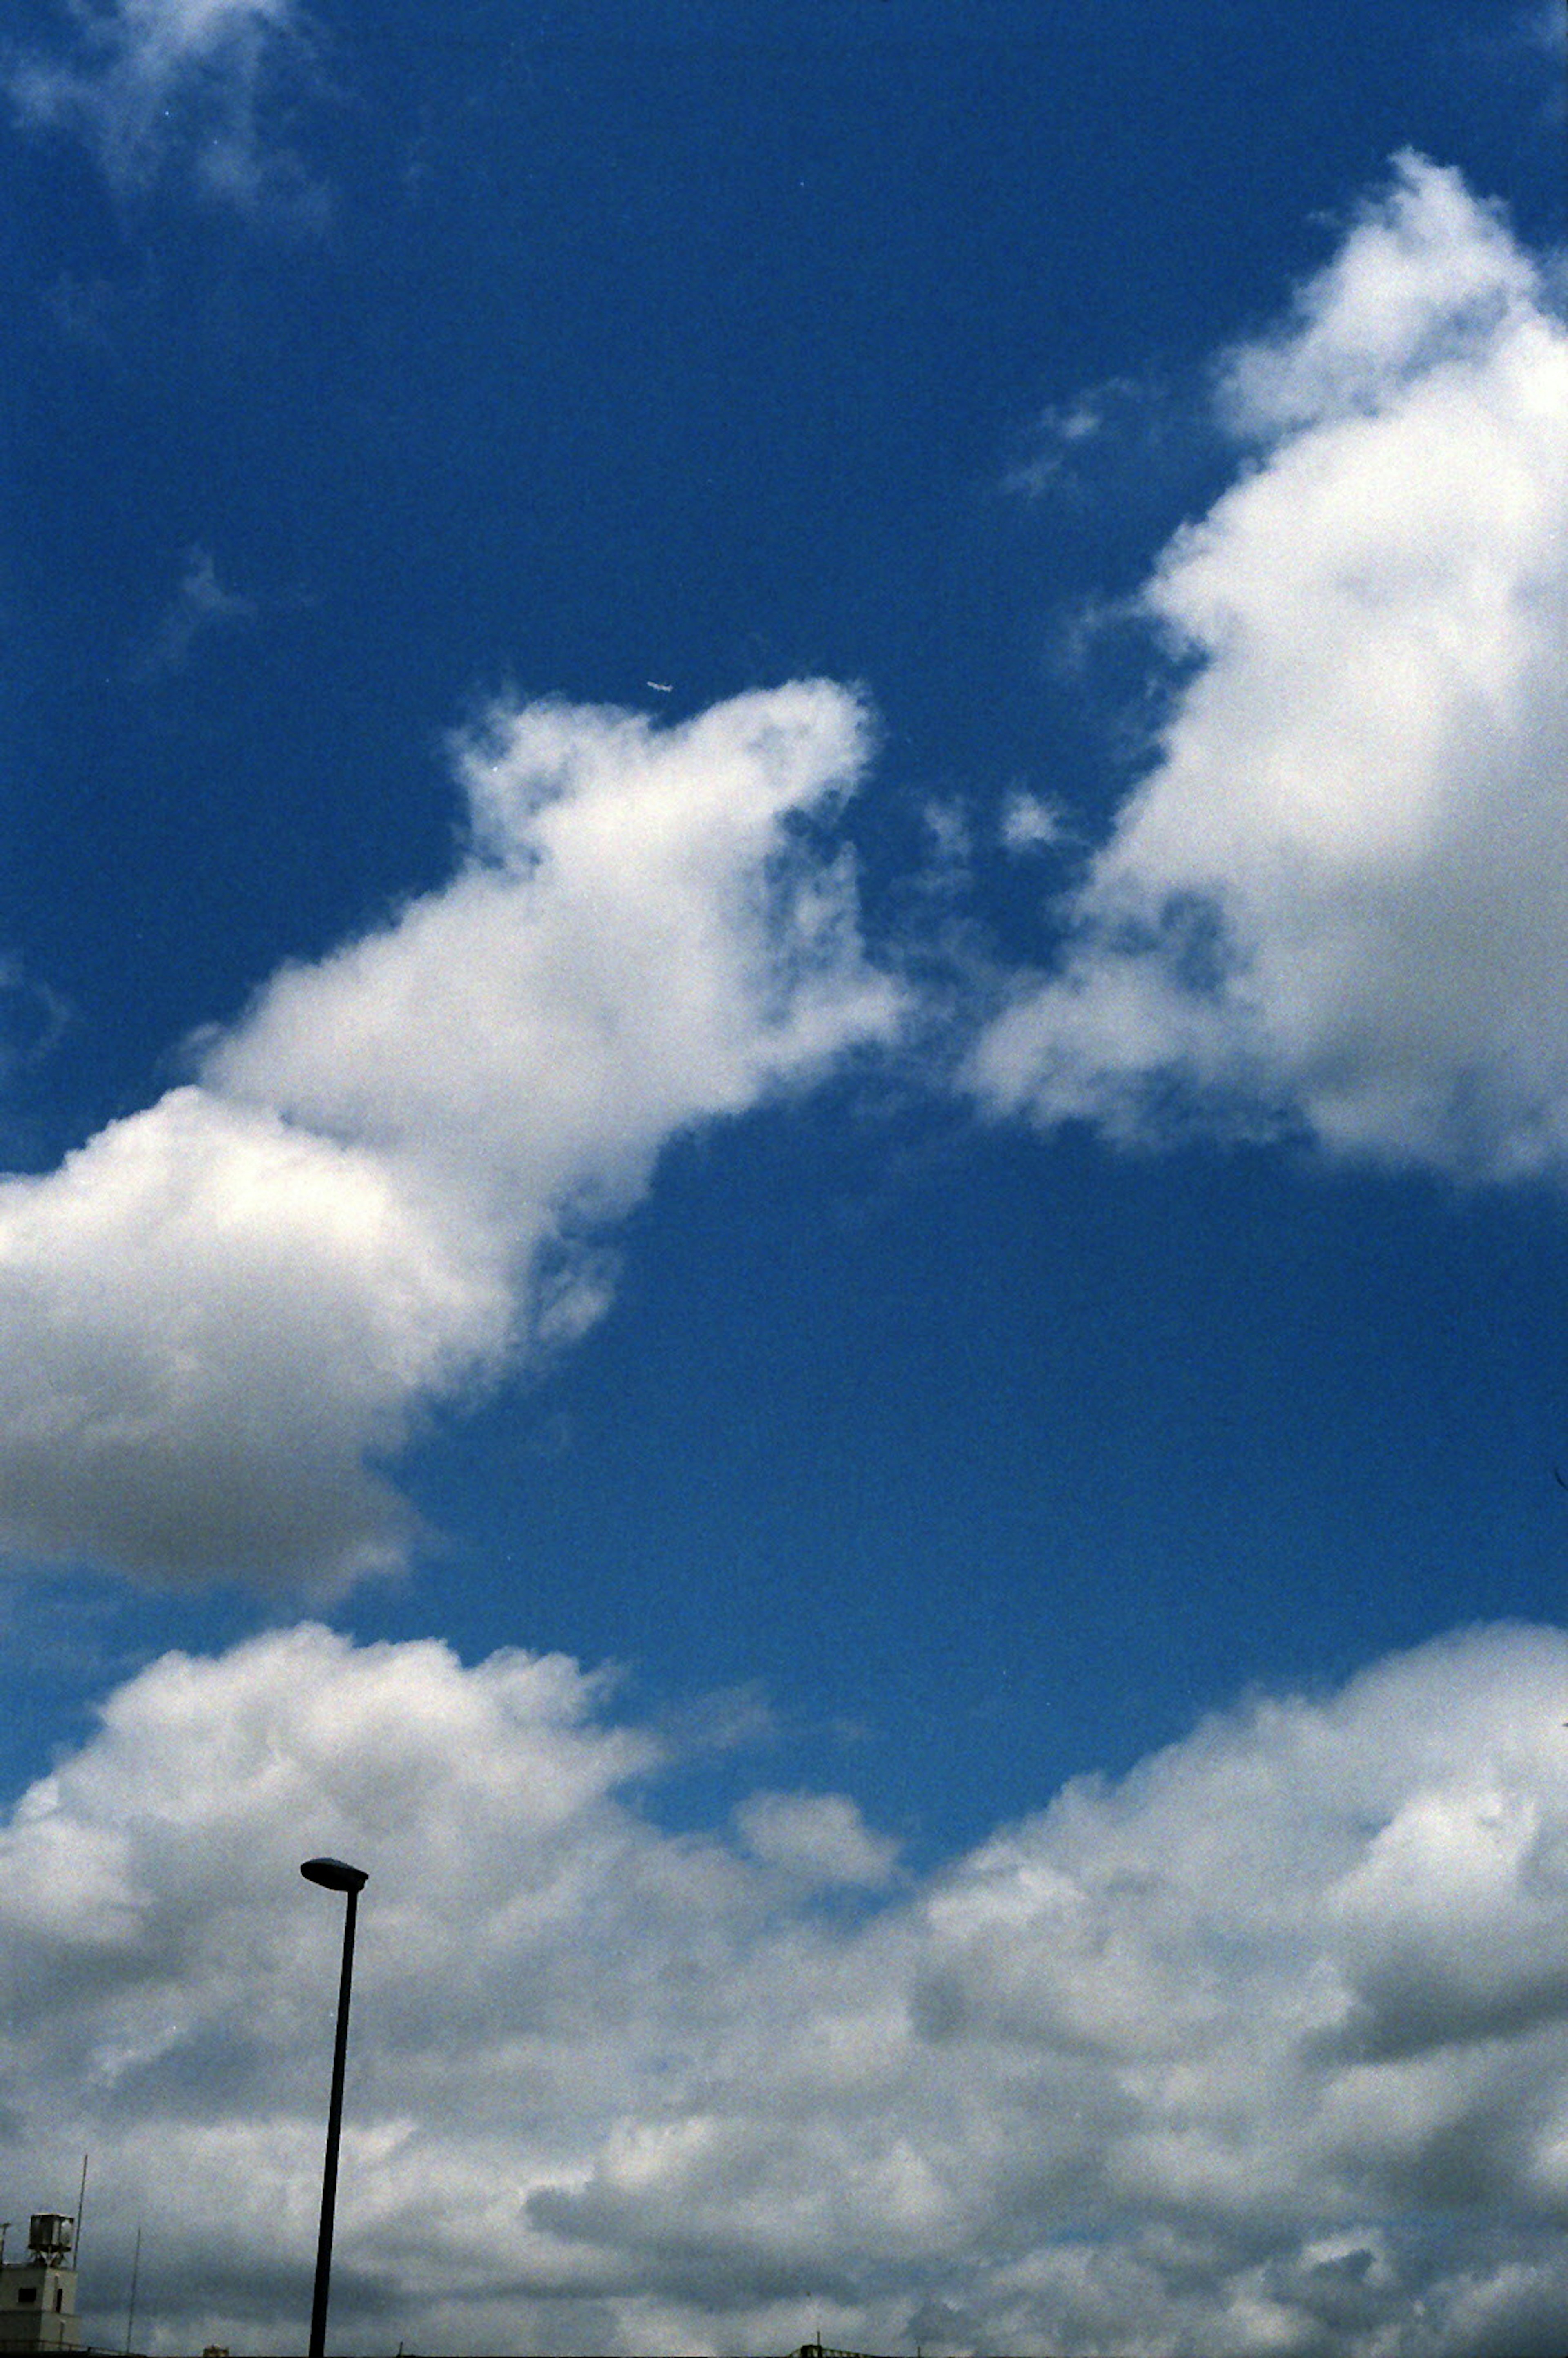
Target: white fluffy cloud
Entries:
(1337, 900)
(1261, 2048)
(148, 83)
(223, 1312)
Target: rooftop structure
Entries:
(37, 2294)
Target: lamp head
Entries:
(334, 1874)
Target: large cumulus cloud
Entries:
(1336, 901)
(225, 1312)
(1263, 2048)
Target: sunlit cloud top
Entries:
(1336, 900)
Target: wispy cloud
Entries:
(200, 605)
(1121, 412)
(193, 86)
(1336, 900)
(1263, 2047)
(388, 1183)
(32, 1017)
(1543, 25)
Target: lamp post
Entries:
(333, 1874)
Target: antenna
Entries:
(131, 2304)
(81, 2207)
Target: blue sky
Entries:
(780, 1023)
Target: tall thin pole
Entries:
(334, 2126)
(131, 2304)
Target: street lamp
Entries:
(333, 1874)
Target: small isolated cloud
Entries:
(819, 1837)
(1030, 823)
(1336, 903)
(1264, 2047)
(1121, 410)
(200, 605)
(192, 85)
(388, 1181)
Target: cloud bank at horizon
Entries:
(1335, 904)
(1263, 2047)
(386, 1186)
